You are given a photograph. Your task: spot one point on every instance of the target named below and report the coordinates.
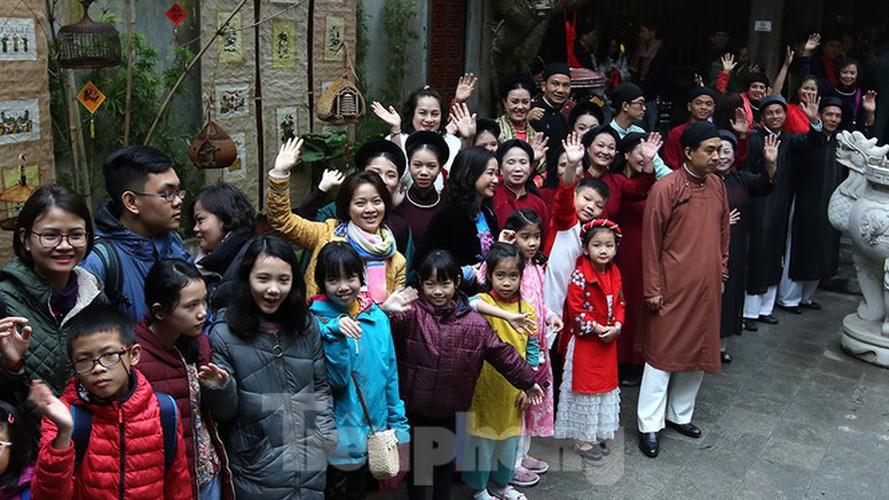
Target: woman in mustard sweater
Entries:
(362, 205)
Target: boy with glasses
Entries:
(122, 452)
(628, 102)
(137, 226)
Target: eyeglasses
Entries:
(77, 239)
(107, 360)
(167, 196)
(637, 103)
(4, 445)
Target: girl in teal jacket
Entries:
(357, 339)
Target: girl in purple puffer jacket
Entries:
(440, 345)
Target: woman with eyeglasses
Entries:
(42, 289)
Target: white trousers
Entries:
(793, 293)
(524, 446)
(761, 304)
(665, 395)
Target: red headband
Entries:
(607, 224)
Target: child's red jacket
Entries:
(124, 458)
(593, 298)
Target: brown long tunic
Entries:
(685, 241)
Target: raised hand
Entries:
(740, 126)
(811, 44)
(14, 345)
(573, 146)
(770, 149)
(464, 120)
(388, 115)
(506, 236)
(400, 300)
(350, 328)
(53, 409)
(788, 57)
(539, 145)
(728, 62)
(288, 156)
(399, 194)
(212, 376)
(699, 80)
(869, 102)
(465, 87)
(734, 217)
(810, 108)
(650, 146)
(753, 68)
(331, 178)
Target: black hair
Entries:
(522, 218)
(243, 314)
(351, 184)
(516, 143)
(442, 264)
(163, 286)
(499, 252)
(441, 153)
(468, 166)
(97, 318)
(725, 110)
(652, 25)
(597, 185)
(585, 108)
(128, 168)
(795, 98)
(229, 204)
(588, 235)
(335, 258)
(410, 105)
(22, 452)
(41, 200)
(487, 125)
(848, 61)
(518, 82)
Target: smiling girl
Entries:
(363, 204)
(176, 359)
(42, 290)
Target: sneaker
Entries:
(524, 478)
(589, 451)
(535, 465)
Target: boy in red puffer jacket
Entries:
(125, 454)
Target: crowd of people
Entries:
(476, 284)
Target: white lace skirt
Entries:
(587, 417)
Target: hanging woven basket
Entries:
(342, 103)
(88, 44)
(213, 147)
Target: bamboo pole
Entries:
(128, 111)
(191, 65)
(257, 102)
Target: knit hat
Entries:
(727, 135)
(696, 92)
(758, 77)
(696, 133)
(773, 99)
(830, 101)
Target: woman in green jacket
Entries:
(42, 289)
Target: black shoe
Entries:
(726, 357)
(690, 430)
(769, 319)
(648, 444)
(812, 305)
(750, 325)
(791, 309)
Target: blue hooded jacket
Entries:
(372, 358)
(137, 256)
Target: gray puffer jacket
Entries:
(275, 411)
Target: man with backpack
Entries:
(137, 226)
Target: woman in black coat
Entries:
(740, 186)
(466, 227)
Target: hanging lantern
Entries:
(213, 147)
(342, 103)
(88, 44)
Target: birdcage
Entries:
(88, 44)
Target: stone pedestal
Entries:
(862, 339)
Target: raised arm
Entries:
(782, 73)
(303, 232)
